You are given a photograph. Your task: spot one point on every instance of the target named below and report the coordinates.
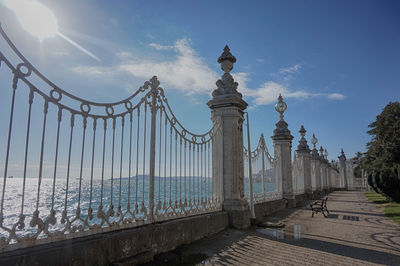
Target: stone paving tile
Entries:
(368, 237)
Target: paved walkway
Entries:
(355, 233)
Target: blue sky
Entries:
(336, 63)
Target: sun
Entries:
(34, 17)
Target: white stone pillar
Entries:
(303, 151)
(323, 170)
(342, 169)
(315, 169)
(227, 105)
(283, 152)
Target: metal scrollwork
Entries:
(183, 169)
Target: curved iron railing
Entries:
(91, 167)
(297, 177)
(266, 186)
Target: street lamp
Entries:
(280, 106)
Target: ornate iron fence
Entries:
(265, 185)
(297, 177)
(78, 167)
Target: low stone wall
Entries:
(267, 208)
(134, 245)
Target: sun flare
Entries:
(34, 17)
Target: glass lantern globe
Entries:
(314, 140)
(280, 106)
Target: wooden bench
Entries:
(319, 206)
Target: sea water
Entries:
(85, 193)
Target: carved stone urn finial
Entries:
(303, 146)
(321, 152)
(302, 131)
(226, 85)
(226, 60)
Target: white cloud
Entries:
(269, 92)
(336, 96)
(123, 55)
(93, 71)
(290, 69)
(187, 72)
(159, 47)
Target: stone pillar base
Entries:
(238, 213)
(290, 203)
(290, 200)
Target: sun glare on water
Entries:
(34, 17)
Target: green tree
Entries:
(357, 162)
(382, 160)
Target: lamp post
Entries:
(280, 107)
(283, 152)
(314, 141)
(315, 168)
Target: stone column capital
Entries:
(229, 100)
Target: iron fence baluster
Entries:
(119, 212)
(165, 163)
(28, 126)
(71, 134)
(78, 210)
(100, 213)
(111, 207)
(52, 211)
(137, 161)
(90, 210)
(128, 206)
(14, 87)
(143, 207)
(159, 161)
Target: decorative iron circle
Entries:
(85, 108)
(109, 110)
(128, 105)
(21, 67)
(57, 97)
(173, 120)
(183, 132)
(194, 139)
(203, 139)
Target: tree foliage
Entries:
(382, 159)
